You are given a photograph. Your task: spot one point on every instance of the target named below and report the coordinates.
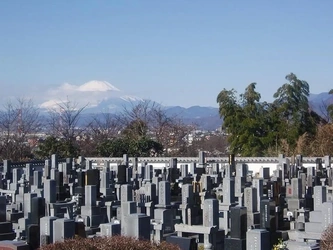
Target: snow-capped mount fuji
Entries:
(97, 86)
(99, 96)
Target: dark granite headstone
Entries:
(6, 231)
(267, 212)
(93, 178)
(234, 244)
(60, 188)
(238, 216)
(121, 174)
(232, 163)
(81, 179)
(199, 171)
(182, 242)
(33, 236)
(14, 245)
(37, 209)
(3, 203)
(80, 229)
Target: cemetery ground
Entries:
(210, 203)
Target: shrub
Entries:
(280, 245)
(326, 241)
(109, 243)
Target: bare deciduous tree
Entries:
(19, 123)
(150, 119)
(138, 116)
(100, 128)
(104, 126)
(64, 119)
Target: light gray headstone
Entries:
(54, 173)
(257, 239)
(140, 226)
(126, 193)
(150, 192)
(241, 170)
(319, 197)
(50, 192)
(105, 179)
(211, 213)
(228, 191)
(47, 169)
(206, 181)
(126, 209)
(110, 229)
(46, 226)
(125, 159)
(38, 179)
(296, 185)
(250, 199)
(327, 161)
(90, 195)
(106, 166)
(27, 203)
(28, 170)
(88, 165)
(7, 166)
(17, 173)
(164, 197)
(187, 194)
(54, 161)
(327, 210)
(184, 170)
(63, 229)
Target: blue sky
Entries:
(176, 52)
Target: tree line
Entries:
(143, 129)
(287, 125)
(252, 127)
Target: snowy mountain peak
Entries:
(97, 86)
(131, 98)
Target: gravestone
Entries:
(14, 245)
(32, 236)
(138, 226)
(63, 229)
(3, 203)
(46, 229)
(50, 192)
(183, 243)
(110, 229)
(121, 174)
(257, 239)
(37, 209)
(238, 216)
(210, 213)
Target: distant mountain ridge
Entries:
(319, 102)
(102, 96)
(205, 118)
